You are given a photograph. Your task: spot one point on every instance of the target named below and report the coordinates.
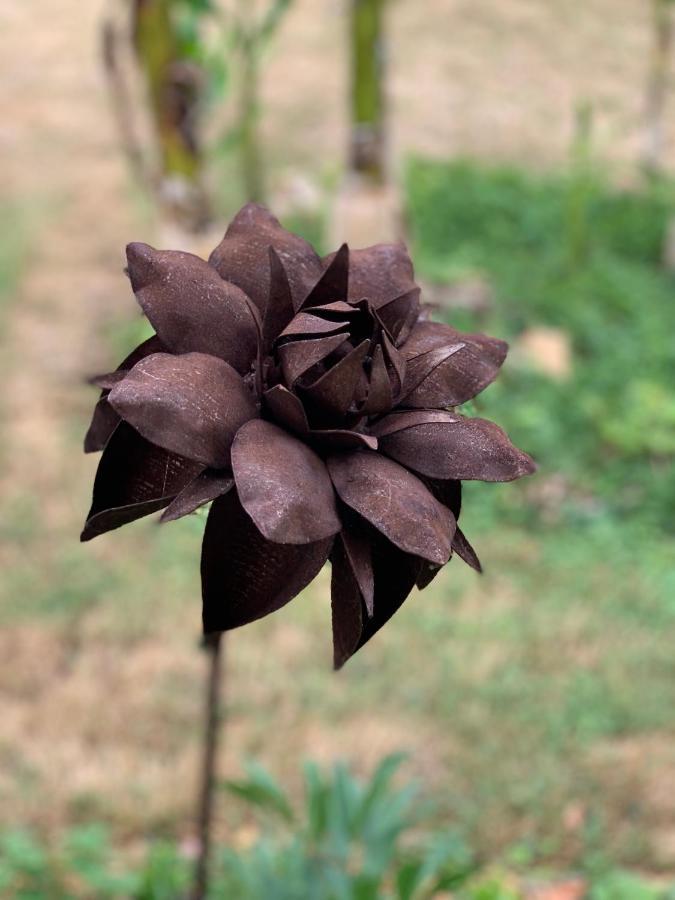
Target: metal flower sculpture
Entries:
(315, 404)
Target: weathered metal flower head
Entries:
(314, 403)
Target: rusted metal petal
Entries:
(395, 502)
(396, 365)
(426, 574)
(395, 574)
(190, 307)
(208, 485)
(333, 439)
(399, 420)
(279, 310)
(286, 409)
(191, 404)
(465, 551)
(283, 485)
(358, 551)
(338, 311)
(400, 314)
(297, 357)
(307, 325)
(103, 423)
(105, 420)
(347, 606)
(428, 375)
(448, 491)
(331, 395)
(134, 478)
(465, 374)
(245, 576)
(464, 449)
(384, 275)
(334, 282)
(380, 397)
(242, 255)
(108, 381)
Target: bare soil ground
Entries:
(101, 703)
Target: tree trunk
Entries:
(249, 112)
(367, 91)
(173, 87)
(657, 86)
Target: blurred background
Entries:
(525, 151)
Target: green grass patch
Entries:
(567, 251)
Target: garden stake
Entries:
(313, 403)
(213, 644)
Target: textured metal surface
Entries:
(242, 256)
(312, 403)
(191, 404)
(245, 576)
(208, 485)
(134, 479)
(395, 502)
(283, 485)
(105, 419)
(190, 307)
(460, 448)
(464, 374)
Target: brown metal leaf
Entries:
(347, 606)
(279, 309)
(395, 502)
(426, 574)
(191, 404)
(331, 395)
(398, 420)
(242, 256)
(396, 365)
(395, 574)
(307, 325)
(103, 423)
(334, 282)
(380, 396)
(465, 374)
(463, 449)
(336, 312)
(245, 576)
(134, 478)
(190, 307)
(283, 485)
(297, 357)
(105, 420)
(208, 485)
(384, 275)
(449, 493)
(465, 551)
(333, 439)
(108, 381)
(286, 409)
(428, 375)
(358, 552)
